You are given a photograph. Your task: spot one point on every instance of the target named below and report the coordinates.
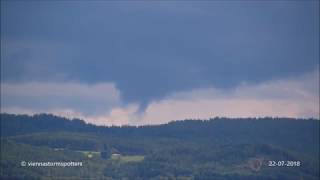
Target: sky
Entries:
(150, 62)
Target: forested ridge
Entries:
(218, 148)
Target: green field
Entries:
(86, 153)
(126, 159)
(121, 158)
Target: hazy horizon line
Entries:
(171, 121)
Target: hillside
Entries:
(218, 148)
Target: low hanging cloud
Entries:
(59, 97)
(102, 104)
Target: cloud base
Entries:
(102, 104)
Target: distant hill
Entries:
(219, 148)
(296, 134)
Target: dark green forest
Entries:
(214, 149)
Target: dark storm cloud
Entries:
(151, 49)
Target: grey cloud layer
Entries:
(151, 62)
(152, 49)
(46, 97)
